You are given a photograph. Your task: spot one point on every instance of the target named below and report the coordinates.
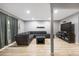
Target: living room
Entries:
(29, 33)
(66, 28)
(39, 29)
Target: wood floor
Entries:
(61, 48)
(32, 50)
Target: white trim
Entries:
(7, 46)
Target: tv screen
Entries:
(66, 27)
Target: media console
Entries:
(67, 32)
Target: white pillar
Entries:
(52, 35)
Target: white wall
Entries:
(20, 26)
(32, 26)
(56, 26)
(74, 20)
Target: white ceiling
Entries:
(38, 11)
(63, 13)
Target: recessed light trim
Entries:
(28, 11)
(56, 11)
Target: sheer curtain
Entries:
(8, 29)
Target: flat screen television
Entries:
(67, 27)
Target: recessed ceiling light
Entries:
(55, 11)
(28, 11)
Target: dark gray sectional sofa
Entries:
(23, 38)
(38, 33)
(26, 37)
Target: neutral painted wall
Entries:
(56, 26)
(32, 26)
(20, 26)
(75, 21)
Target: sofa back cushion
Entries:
(38, 32)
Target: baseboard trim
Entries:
(7, 46)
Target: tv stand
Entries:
(67, 32)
